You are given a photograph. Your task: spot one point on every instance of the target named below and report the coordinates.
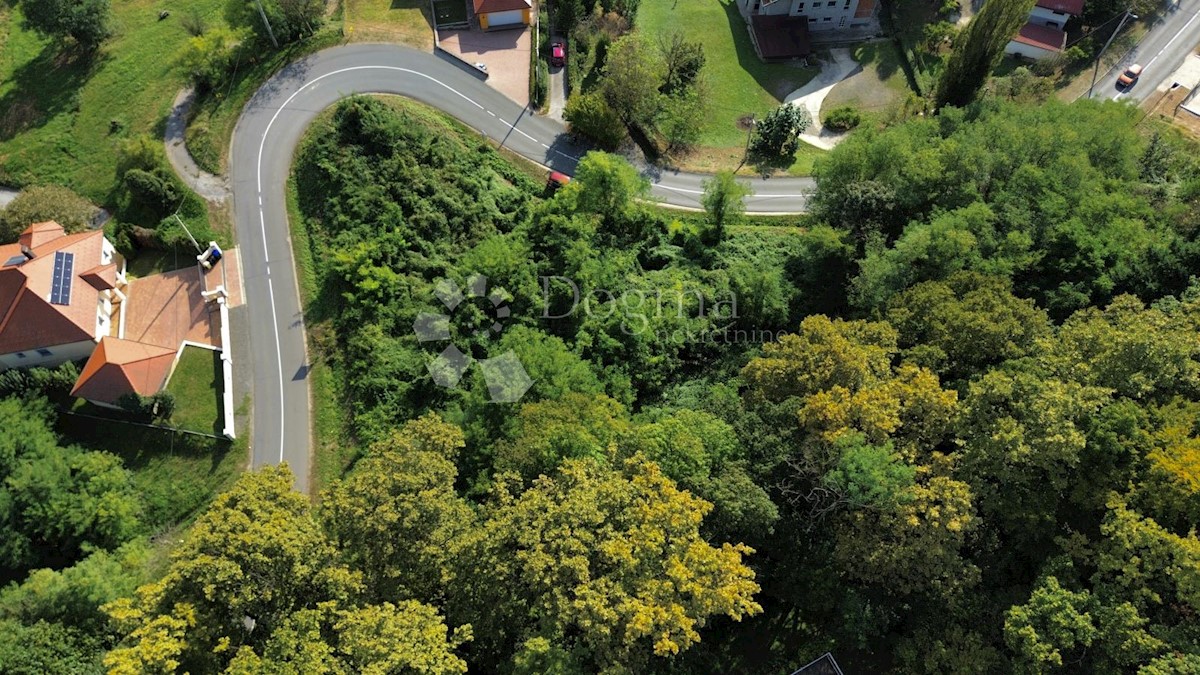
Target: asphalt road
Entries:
(263, 145)
(1161, 51)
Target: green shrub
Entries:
(153, 189)
(52, 383)
(158, 406)
(539, 83)
(590, 115)
(41, 203)
(844, 118)
(210, 58)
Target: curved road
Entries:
(260, 163)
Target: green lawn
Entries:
(62, 116)
(404, 21)
(738, 83)
(177, 474)
(197, 385)
(879, 86)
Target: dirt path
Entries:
(213, 188)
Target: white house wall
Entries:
(59, 354)
(512, 18)
(1045, 17)
(822, 14)
(1028, 51)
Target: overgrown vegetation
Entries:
(932, 307)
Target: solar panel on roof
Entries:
(64, 267)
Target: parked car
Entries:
(1127, 78)
(558, 54)
(556, 180)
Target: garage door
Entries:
(505, 18)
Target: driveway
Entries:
(811, 95)
(558, 86)
(504, 52)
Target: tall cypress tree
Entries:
(979, 49)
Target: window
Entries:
(812, 20)
(828, 18)
(832, 3)
(799, 7)
(847, 5)
(842, 23)
(44, 352)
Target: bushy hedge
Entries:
(52, 383)
(844, 118)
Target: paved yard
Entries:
(166, 309)
(227, 273)
(836, 68)
(504, 52)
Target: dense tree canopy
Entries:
(948, 425)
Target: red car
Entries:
(1131, 74)
(558, 54)
(556, 180)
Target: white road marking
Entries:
(1173, 39)
(262, 219)
(312, 84)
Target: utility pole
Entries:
(263, 14)
(1128, 15)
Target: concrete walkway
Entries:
(7, 195)
(213, 188)
(811, 95)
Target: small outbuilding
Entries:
(1037, 42)
(494, 14)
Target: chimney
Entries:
(27, 252)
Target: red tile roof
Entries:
(28, 320)
(865, 9)
(1072, 7)
(1044, 37)
(489, 6)
(118, 367)
(102, 277)
(39, 233)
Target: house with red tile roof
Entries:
(60, 294)
(65, 297)
(118, 367)
(1043, 36)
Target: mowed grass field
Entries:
(404, 21)
(739, 84)
(875, 89)
(196, 385)
(62, 115)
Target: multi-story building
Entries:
(780, 28)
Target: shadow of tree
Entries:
(45, 87)
(767, 164)
(765, 75)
